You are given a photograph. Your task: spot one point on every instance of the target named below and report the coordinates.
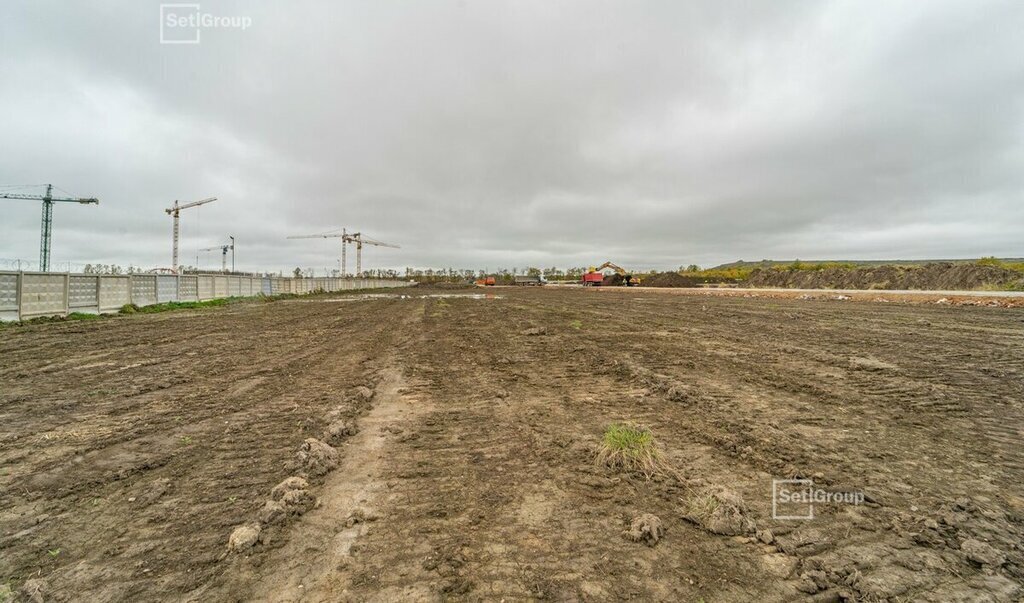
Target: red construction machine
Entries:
(595, 277)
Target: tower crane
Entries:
(175, 212)
(360, 240)
(346, 238)
(223, 253)
(47, 227)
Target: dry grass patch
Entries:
(719, 511)
(630, 448)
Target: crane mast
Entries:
(175, 212)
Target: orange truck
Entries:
(485, 282)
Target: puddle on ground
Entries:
(371, 296)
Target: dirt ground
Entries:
(447, 448)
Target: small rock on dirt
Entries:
(243, 538)
(317, 458)
(535, 331)
(982, 553)
(646, 528)
(289, 484)
(364, 393)
(766, 536)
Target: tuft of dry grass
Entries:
(719, 511)
(630, 448)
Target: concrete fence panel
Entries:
(43, 294)
(166, 288)
(84, 294)
(220, 286)
(143, 289)
(115, 291)
(205, 287)
(10, 284)
(188, 288)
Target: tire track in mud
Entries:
(318, 546)
(499, 496)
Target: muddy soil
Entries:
(435, 448)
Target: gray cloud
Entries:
(521, 133)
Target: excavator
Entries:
(594, 277)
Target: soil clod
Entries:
(244, 538)
(646, 528)
(317, 458)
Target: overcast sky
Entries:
(499, 134)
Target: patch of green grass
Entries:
(630, 448)
(185, 305)
(186, 440)
(83, 316)
(53, 552)
(576, 324)
(993, 261)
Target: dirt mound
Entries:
(612, 280)
(934, 276)
(670, 279)
(316, 457)
(647, 529)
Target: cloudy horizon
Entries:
(513, 134)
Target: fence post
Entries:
(18, 292)
(67, 293)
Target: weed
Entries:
(576, 324)
(128, 309)
(83, 316)
(631, 448)
(186, 440)
(53, 552)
